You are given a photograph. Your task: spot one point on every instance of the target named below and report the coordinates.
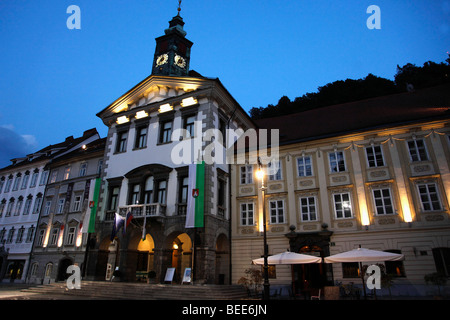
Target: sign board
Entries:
(169, 274)
(187, 275)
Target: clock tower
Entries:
(172, 51)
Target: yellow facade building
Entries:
(372, 173)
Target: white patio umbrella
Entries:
(288, 258)
(363, 255)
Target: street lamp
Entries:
(260, 175)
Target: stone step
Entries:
(138, 291)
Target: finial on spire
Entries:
(179, 7)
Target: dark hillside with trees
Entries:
(408, 78)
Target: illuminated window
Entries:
(247, 217)
(383, 201)
(342, 205)
(429, 197)
(417, 150)
(374, 156)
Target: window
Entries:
(417, 150)
(308, 208)
(54, 236)
(30, 234)
(221, 204)
(8, 183)
(99, 166)
(34, 268)
(60, 205)
(83, 169)
(342, 205)
(10, 207)
(337, 161)
(66, 173)
(2, 207)
(48, 204)
(26, 177)
(442, 260)
(54, 176)
(304, 166)
(48, 270)
(148, 193)
(350, 270)
(2, 182)
(34, 179)
(188, 125)
(71, 235)
(374, 156)
(274, 170)
(121, 144)
(27, 208)
(113, 198)
(2, 235)
(37, 204)
(19, 238)
(141, 137)
(161, 194)
(165, 134)
(247, 218)
(40, 241)
(44, 178)
(429, 197)
(10, 237)
(383, 201)
(184, 189)
(276, 211)
(77, 203)
(17, 182)
(246, 174)
(18, 206)
(134, 194)
(395, 268)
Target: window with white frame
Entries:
(37, 204)
(40, 241)
(30, 234)
(71, 236)
(48, 204)
(10, 237)
(247, 214)
(276, 208)
(374, 156)
(274, 168)
(27, 208)
(304, 166)
(17, 182)
(383, 201)
(308, 208)
(8, 183)
(26, 177)
(60, 208)
(429, 197)
(337, 161)
(10, 207)
(246, 174)
(54, 236)
(34, 179)
(20, 232)
(18, 206)
(342, 205)
(83, 169)
(417, 150)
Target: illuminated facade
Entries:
(61, 234)
(22, 189)
(146, 172)
(373, 173)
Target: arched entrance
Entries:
(145, 258)
(181, 255)
(222, 260)
(312, 276)
(62, 268)
(107, 258)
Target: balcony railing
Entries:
(141, 210)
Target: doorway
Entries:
(62, 269)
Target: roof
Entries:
(380, 112)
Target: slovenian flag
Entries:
(196, 196)
(119, 222)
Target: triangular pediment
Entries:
(153, 90)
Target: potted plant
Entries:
(438, 279)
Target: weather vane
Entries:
(179, 6)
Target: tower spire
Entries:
(179, 7)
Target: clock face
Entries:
(162, 59)
(180, 61)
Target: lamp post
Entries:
(260, 176)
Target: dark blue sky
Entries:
(54, 80)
